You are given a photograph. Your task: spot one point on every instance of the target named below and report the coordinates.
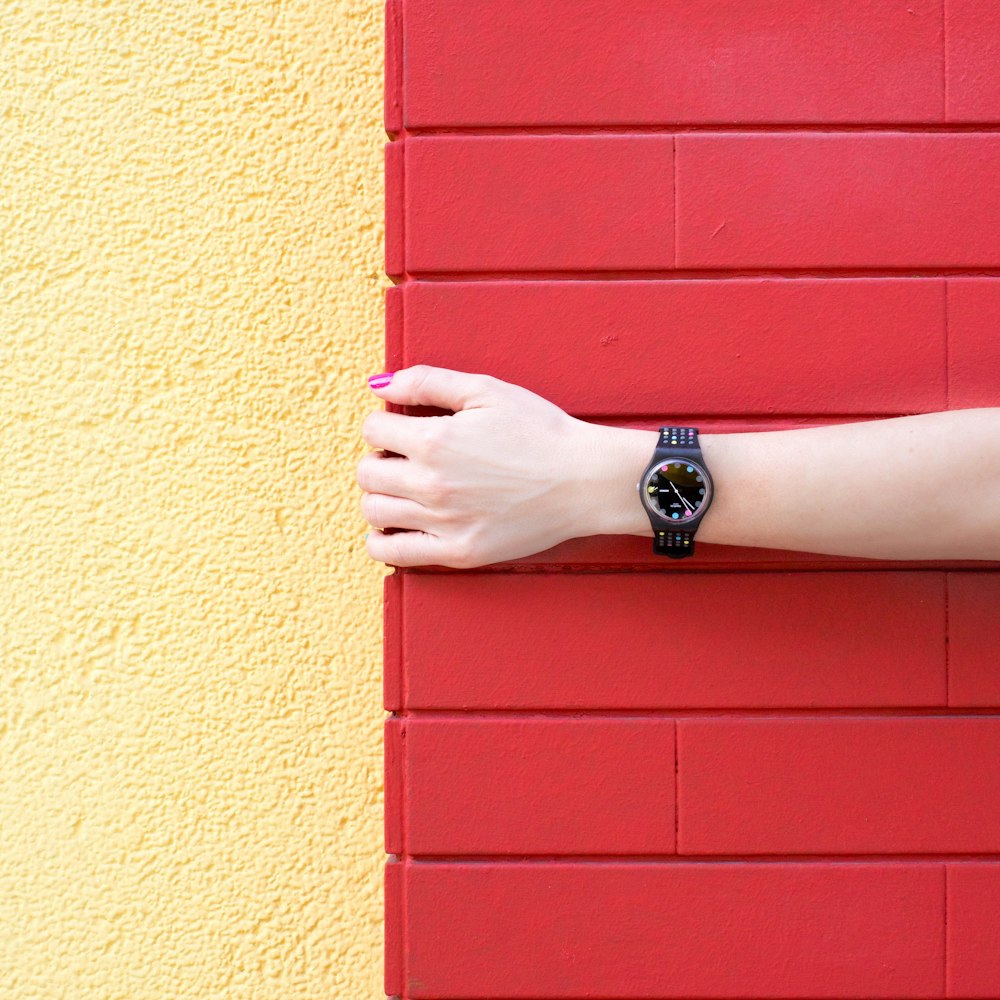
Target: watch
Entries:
(676, 491)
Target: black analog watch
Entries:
(676, 491)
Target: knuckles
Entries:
(372, 507)
(464, 551)
(364, 467)
(368, 428)
(366, 508)
(437, 489)
(434, 437)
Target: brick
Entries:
(597, 640)
(395, 918)
(838, 785)
(666, 930)
(393, 71)
(537, 786)
(521, 62)
(973, 342)
(973, 937)
(496, 203)
(394, 166)
(974, 639)
(764, 345)
(972, 36)
(393, 750)
(394, 298)
(392, 641)
(838, 200)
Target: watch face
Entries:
(677, 490)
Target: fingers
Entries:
(412, 548)
(396, 477)
(382, 511)
(395, 432)
(425, 385)
(395, 487)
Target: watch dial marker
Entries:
(676, 491)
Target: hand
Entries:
(679, 497)
(503, 477)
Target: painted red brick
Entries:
(763, 345)
(394, 295)
(393, 69)
(974, 640)
(838, 200)
(497, 203)
(521, 62)
(392, 769)
(541, 641)
(513, 785)
(671, 930)
(394, 211)
(974, 930)
(392, 639)
(973, 55)
(974, 342)
(394, 902)
(838, 785)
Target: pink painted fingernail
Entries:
(381, 380)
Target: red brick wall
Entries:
(753, 774)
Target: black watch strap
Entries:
(676, 544)
(670, 541)
(678, 439)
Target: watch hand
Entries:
(682, 500)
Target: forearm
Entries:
(918, 487)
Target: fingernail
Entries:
(381, 380)
(366, 534)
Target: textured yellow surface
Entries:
(191, 294)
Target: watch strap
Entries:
(676, 544)
(676, 441)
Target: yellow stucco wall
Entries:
(191, 294)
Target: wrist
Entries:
(610, 461)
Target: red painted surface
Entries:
(521, 62)
(393, 77)
(765, 345)
(673, 929)
(501, 203)
(838, 786)
(974, 341)
(973, 54)
(838, 200)
(757, 774)
(394, 222)
(517, 785)
(605, 202)
(792, 640)
(974, 930)
(974, 639)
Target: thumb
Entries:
(425, 385)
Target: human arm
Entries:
(510, 474)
